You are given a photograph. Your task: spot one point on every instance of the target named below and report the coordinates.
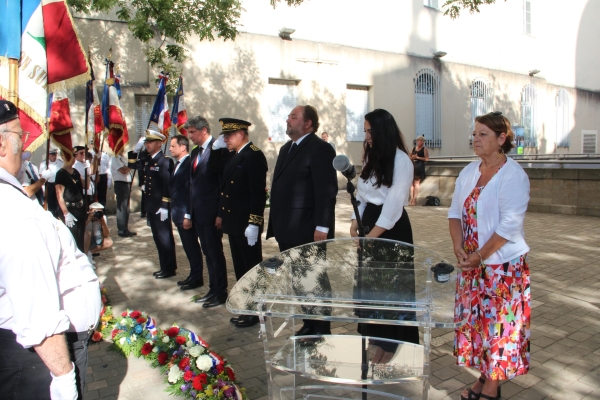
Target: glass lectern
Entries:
(369, 281)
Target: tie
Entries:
(200, 150)
(35, 178)
(292, 151)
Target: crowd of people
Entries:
(217, 188)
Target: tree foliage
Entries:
(454, 7)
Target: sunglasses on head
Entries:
(495, 113)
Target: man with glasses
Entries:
(34, 358)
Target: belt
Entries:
(79, 204)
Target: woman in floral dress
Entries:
(486, 225)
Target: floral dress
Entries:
(495, 339)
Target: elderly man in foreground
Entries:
(34, 358)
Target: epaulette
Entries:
(253, 147)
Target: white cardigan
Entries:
(500, 208)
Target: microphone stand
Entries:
(361, 234)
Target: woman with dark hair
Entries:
(69, 194)
(383, 189)
(420, 156)
(486, 225)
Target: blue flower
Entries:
(138, 329)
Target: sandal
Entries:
(477, 396)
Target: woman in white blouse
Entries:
(383, 190)
(486, 225)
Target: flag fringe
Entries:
(40, 120)
(61, 146)
(62, 132)
(69, 83)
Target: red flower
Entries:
(140, 320)
(180, 340)
(147, 349)
(185, 361)
(162, 358)
(114, 333)
(199, 381)
(124, 314)
(230, 374)
(220, 368)
(135, 314)
(102, 311)
(172, 332)
(187, 376)
(97, 336)
(103, 299)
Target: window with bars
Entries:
(562, 119)
(357, 106)
(481, 100)
(432, 3)
(428, 107)
(589, 141)
(529, 115)
(282, 97)
(527, 17)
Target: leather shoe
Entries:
(305, 330)
(131, 233)
(125, 234)
(246, 321)
(215, 301)
(205, 298)
(95, 254)
(185, 281)
(234, 320)
(165, 274)
(157, 272)
(192, 285)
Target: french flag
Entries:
(118, 136)
(179, 114)
(160, 118)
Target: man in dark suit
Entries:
(204, 203)
(179, 188)
(243, 199)
(303, 192)
(158, 169)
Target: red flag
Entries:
(61, 124)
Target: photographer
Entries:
(96, 231)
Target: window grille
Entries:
(428, 107)
(432, 3)
(527, 17)
(529, 115)
(481, 99)
(143, 109)
(282, 97)
(357, 105)
(562, 119)
(589, 142)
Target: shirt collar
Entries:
(183, 158)
(302, 138)
(242, 148)
(5, 176)
(206, 143)
(154, 155)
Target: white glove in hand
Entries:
(49, 174)
(89, 192)
(139, 145)
(143, 187)
(64, 387)
(252, 234)
(164, 213)
(219, 143)
(70, 220)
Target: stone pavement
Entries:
(565, 350)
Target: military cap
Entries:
(78, 148)
(154, 135)
(53, 151)
(231, 125)
(8, 111)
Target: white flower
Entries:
(123, 322)
(133, 338)
(122, 341)
(174, 374)
(204, 363)
(155, 350)
(189, 344)
(165, 339)
(196, 351)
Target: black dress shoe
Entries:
(192, 285)
(234, 320)
(318, 331)
(305, 330)
(125, 234)
(157, 272)
(95, 254)
(205, 298)
(143, 215)
(246, 321)
(185, 281)
(215, 301)
(131, 233)
(165, 274)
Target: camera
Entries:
(98, 214)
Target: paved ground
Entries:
(565, 265)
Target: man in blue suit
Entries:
(204, 205)
(179, 188)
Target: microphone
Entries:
(342, 164)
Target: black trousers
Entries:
(77, 342)
(23, 375)
(191, 246)
(122, 194)
(212, 247)
(322, 326)
(52, 200)
(102, 188)
(244, 256)
(162, 233)
(78, 230)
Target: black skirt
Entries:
(401, 231)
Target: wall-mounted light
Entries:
(439, 54)
(533, 72)
(284, 33)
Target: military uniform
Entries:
(157, 172)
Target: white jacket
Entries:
(500, 208)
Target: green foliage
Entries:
(453, 7)
(289, 2)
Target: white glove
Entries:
(164, 213)
(70, 220)
(139, 145)
(252, 234)
(64, 387)
(219, 143)
(87, 164)
(49, 174)
(143, 187)
(89, 192)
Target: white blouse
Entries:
(393, 198)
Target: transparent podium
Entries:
(379, 282)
